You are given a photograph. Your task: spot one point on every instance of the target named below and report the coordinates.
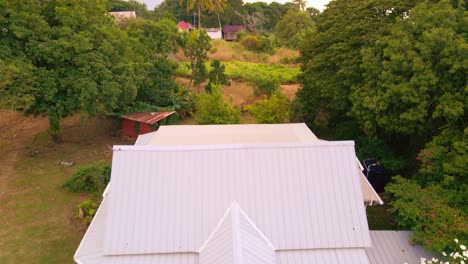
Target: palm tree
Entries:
(205, 5)
(300, 4)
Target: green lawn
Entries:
(379, 218)
(36, 212)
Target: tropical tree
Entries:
(204, 5)
(299, 4)
(292, 28)
(196, 47)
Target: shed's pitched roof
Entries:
(148, 117)
(232, 28)
(184, 25)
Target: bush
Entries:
(266, 84)
(91, 179)
(251, 43)
(212, 109)
(428, 212)
(242, 34)
(271, 110)
(87, 210)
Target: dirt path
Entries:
(16, 131)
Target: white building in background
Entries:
(177, 198)
(214, 33)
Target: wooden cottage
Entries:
(230, 32)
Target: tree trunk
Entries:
(199, 16)
(54, 129)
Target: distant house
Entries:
(214, 33)
(141, 123)
(185, 26)
(122, 15)
(230, 32)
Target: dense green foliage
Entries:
(258, 44)
(393, 77)
(266, 84)
(91, 179)
(211, 108)
(248, 71)
(196, 47)
(86, 211)
(429, 212)
(61, 57)
(217, 76)
(292, 28)
(272, 110)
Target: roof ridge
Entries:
(154, 148)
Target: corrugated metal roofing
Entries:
(295, 194)
(389, 247)
(148, 118)
(323, 256)
(91, 247)
(231, 134)
(236, 240)
(242, 134)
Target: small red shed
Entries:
(141, 123)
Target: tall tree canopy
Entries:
(209, 6)
(67, 56)
(394, 73)
(292, 28)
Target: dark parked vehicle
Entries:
(376, 174)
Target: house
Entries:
(230, 32)
(279, 202)
(141, 123)
(185, 26)
(214, 33)
(122, 15)
(242, 134)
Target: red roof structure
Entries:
(184, 25)
(229, 31)
(233, 28)
(141, 123)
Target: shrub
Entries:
(271, 110)
(428, 212)
(258, 44)
(266, 84)
(212, 109)
(91, 179)
(251, 43)
(86, 211)
(241, 35)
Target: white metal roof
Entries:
(323, 256)
(389, 247)
(231, 134)
(91, 247)
(236, 240)
(169, 199)
(187, 135)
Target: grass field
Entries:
(36, 214)
(233, 51)
(250, 71)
